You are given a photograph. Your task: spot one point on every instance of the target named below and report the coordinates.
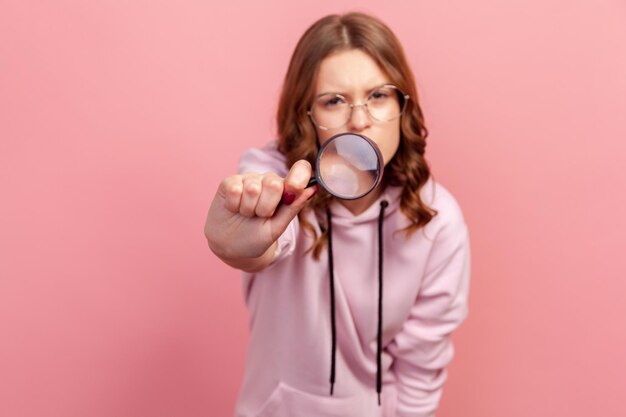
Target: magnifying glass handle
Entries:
(311, 182)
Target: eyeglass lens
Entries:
(331, 111)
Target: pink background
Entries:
(117, 119)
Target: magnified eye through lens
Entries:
(349, 166)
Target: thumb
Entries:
(286, 213)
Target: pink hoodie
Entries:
(426, 283)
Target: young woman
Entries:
(326, 340)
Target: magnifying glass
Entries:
(348, 166)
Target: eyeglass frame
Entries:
(352, 106)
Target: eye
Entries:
(332, 101)
(379, 95)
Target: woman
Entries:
(325, 339)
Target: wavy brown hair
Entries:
(297, 135)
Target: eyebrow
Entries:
(348, 95)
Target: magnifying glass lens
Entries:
(349, 166)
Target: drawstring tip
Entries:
(379, 399)
(332, 385)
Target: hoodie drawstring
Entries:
(379, 337)
(332, 302)
(379, 344)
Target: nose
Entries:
(360, 117)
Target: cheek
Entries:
(323, 135)
(390, 144)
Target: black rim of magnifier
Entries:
(379, 157)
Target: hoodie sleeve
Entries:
(423, 348)
(265, 159)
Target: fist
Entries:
(249, 212)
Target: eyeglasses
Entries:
(331, 111)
